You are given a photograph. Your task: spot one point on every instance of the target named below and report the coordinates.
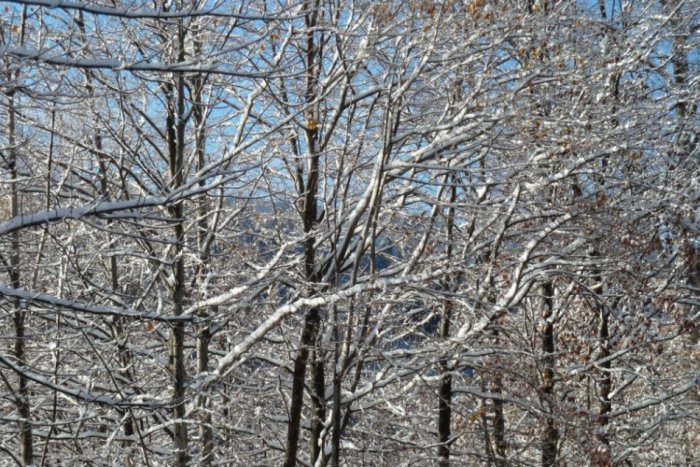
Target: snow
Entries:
(103, 310)
(142, 13)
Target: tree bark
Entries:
(318, 403)
(205, 431)
(175, 122)
(310, 219)
(204, 333)
(308, 338)
(499, 421)
(604, 384)
(445, 392)
(26, 449)
(550, 435)
(445, 398)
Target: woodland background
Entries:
(349, 232)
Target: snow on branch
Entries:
(104, 208)
(229, 361)
(54, 215)
(144, 13)
(77, 393)
(46, 56)
(236, 292)
(652, 401)
(58, 302)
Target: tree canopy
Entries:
(349, 232)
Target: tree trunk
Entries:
(318, 404)
(445, 398)
(604, 385)
(550, 435)
(309, 191)
(499, 421)
(308, 339)
(445, 369)
(337, 385)
(175, 122)
(26, 450)
(205, 431)
(204, 333)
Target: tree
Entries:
(349, 233)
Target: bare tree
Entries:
(349, 233)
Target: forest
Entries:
(350, 233)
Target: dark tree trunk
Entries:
(445, 391)
(308, 193)
(26, 449)
(550, 435)
(604, 385)
(499, 421)
(308, 339)
(318, 404)
(175, 132)
(444, 409)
